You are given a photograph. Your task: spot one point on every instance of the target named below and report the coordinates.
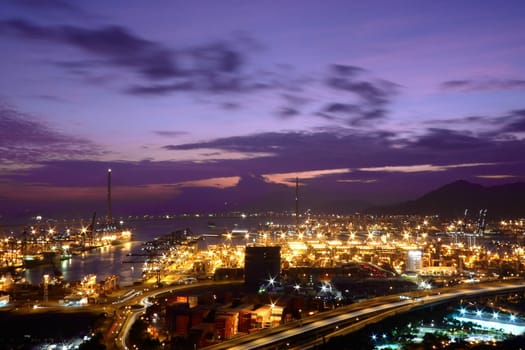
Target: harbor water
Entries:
(116, 259)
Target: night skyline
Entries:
(208, 106)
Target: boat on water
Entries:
(122, 238)
(45, 258)
(114, 236)
(33, 260)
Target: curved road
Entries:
(142, 299)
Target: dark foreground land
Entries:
(26, 331)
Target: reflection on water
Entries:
(109, 260)
(102, 262)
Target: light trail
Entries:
(330, 321)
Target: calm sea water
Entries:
(109, 260)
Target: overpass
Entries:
(344, 320)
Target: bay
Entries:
(114, 260)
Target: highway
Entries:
(300, 334)
(373, 310)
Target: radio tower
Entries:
(109, 219)
(297, 204)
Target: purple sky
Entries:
(219, 105)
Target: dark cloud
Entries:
(480, 85)
(25, 140)
(300, 150)
(366, 100)
(346, 70)
(115, 45)
(217, 57)
(464, 120)
(293, 105)
(168, 133)
(451, 140)
(370, 115)
(211, 154)
(287, 112)
(341, 108)
(282, 141)
(466, 156)
(515, 121)
(499, 127)
(455, 84)
(376, 92)
(259, 143)
(353, 114)
(216, 67)
(344, 110)
(160, 89)
(354, 148)
(62, 6)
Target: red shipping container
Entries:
(182, 323)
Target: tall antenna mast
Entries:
(297, 204)
(109, 218)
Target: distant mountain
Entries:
(452, 199)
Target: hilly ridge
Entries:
(452, 199)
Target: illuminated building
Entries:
(414, 262)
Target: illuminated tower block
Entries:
(414, 262)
